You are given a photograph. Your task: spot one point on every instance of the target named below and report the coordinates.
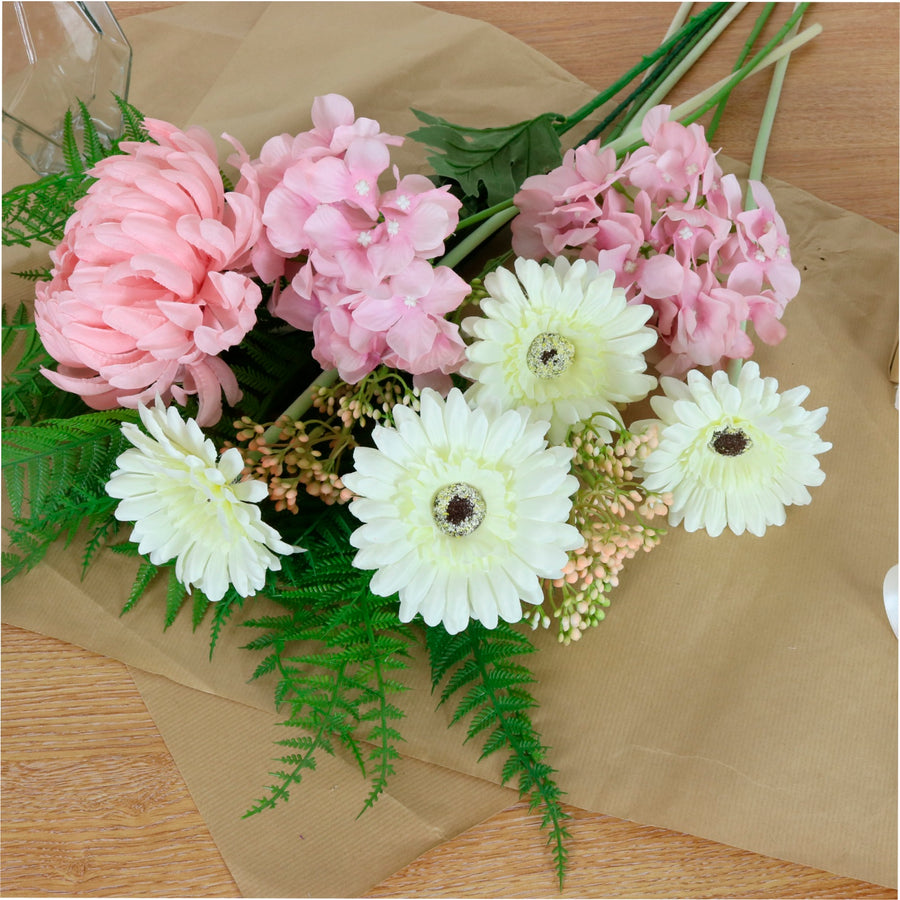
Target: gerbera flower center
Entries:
(730, 441)
(458, 509)
(550, 354)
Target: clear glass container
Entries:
(55, 54)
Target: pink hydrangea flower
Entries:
(700, 323)
(356, 255)
(144, 294)
(672, 229)
(677, 163)
(561, 210)
(765, 246)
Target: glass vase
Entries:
(55, 54)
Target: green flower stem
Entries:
(302, 403)
(692, 109)
(759, 156)
(484, 214)
(684, 66)
(678, 20)
(711, 12)
(479, 235)
(633, 100)
(761, 20)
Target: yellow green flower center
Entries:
(458, 509)
(550, 354)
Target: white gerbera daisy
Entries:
(464, 510)
(734, 454)
(559, 339)
(188, 506)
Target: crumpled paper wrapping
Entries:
(743, 690)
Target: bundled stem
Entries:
(762, 144)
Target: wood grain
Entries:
(94, 805)
(92, 801)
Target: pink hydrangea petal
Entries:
(661, 276)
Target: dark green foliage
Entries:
(38, 211)
(27, 395)
(55, 474)
(272, 364)
(490, 164)
(480, 663)
(335, 649)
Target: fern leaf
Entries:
(334, 654)
(132, 121)
(71, 153)
(499, 705)
(176, 594)
(57, 456)
(93, 147)
(145, 574)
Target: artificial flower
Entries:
(559, 339)
(672, 228)
(734, 454)
(364, 287)
(191, 507)
(144, 294)
(464, 511)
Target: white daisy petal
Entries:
(733, 454)
(560, 340)
(187, 506)
(468, 528)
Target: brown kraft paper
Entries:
(743, 690)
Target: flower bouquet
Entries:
(468, 441)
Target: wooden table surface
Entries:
(92, 801)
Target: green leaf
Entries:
(490, 163)
(334, 654)
(132, 121)
(481, 659)
(71, 153)
(56, 473)
(94, 150)
(176, 594)
(145, 574)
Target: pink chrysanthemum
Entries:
(144, 294)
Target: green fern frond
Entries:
(335, 652)
(200, 607)
(93, 149)
(71, 152)
(270, 363)
(176, 594)
(100, 537)
(222, 612)
(132, 121)
(37, 212)
(43, 462)
(146, 573)
(55, 474)
(480, 660)
(44, 274)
